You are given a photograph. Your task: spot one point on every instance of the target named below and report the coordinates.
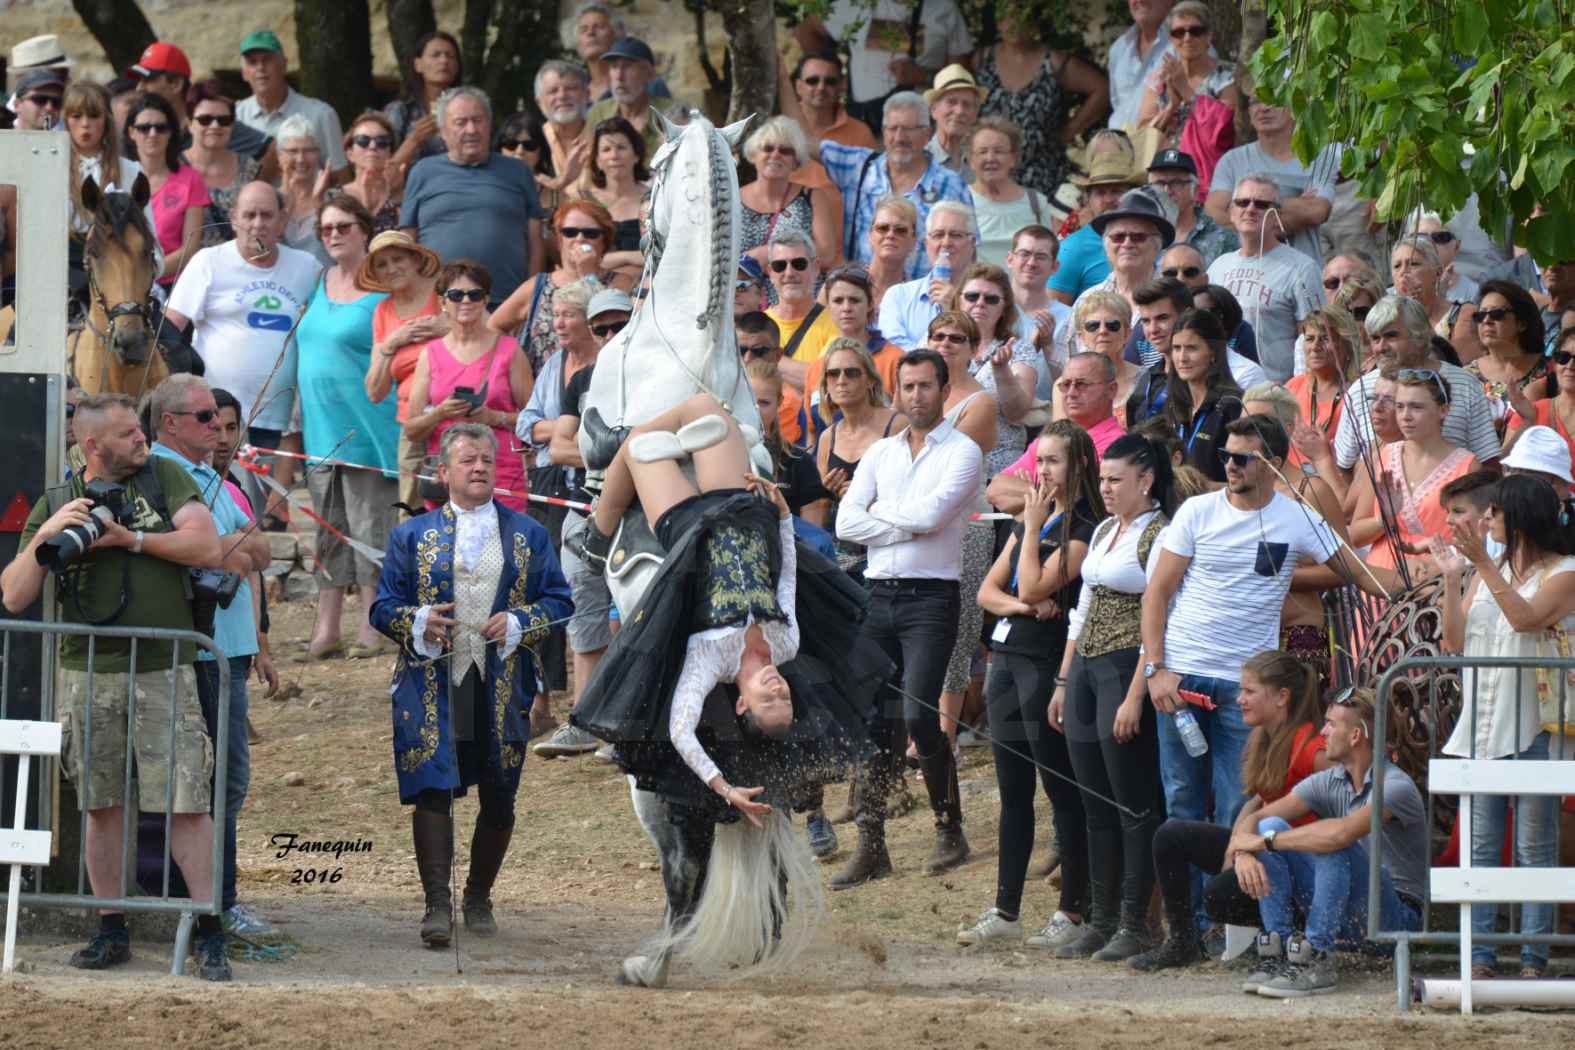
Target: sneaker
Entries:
(605, 753)
(107, 948)
(1088, 941)
(1271, 963)
(992, 926)
(1308, 971)
(822, 836)
(241, 920)
(1175, 951)
(1061, 929)
(212, 964)
(568, 740)
(968, 738)
(1123, 946)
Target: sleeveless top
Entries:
(1497, 393)
(953, 416)
(1114, 619)
(1037, 110)
(1043, 640)
(216, 228)
(541, 342)
(848, 553)
(489, 372)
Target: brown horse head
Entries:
(119, 257)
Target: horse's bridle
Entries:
(126, 308)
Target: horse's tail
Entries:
(760, 904)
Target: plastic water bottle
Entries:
(1191, 733)
(943, 268)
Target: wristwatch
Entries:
(1152, 668)
(136, 548)
(1268, 839)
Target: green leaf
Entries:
(1323, 31)
(1471, 27)
(1368, 36)
(1549, 167)
(1519, 178)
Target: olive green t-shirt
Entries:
(155, 590)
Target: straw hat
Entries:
(954, 77)
(39, 52)
(431, 263)
(1108, 169)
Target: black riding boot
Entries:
(434, 839)
(940, 780)
(488, 846)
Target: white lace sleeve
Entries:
(707, 661)
(418, 635)
(784, 638)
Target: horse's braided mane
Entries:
(722, 266)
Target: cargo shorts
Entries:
(103, 757)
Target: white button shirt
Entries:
(910, 511)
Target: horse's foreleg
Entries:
(683, 841)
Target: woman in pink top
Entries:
(473, 374)
(180, 197)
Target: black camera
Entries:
(110, 503)
(211, 590)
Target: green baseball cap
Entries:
(261, 40)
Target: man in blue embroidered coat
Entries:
(462, 589)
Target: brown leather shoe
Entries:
(951, 849)
(869, 861)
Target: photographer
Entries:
(184, 416)
(122, 535)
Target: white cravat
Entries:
(472, 529)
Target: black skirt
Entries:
(835, 679)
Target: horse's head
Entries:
(119, 257)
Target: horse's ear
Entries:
(734, 132)
(140, 191)
(669, 129)
(91, 197)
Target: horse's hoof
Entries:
(603, 439)
(644, 971)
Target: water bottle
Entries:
(943, 268)
(1191, 733)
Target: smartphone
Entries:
(1196, 698)
(465, 393)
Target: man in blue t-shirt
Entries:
(1082, 257)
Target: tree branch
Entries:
(120, 28)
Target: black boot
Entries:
(940, 780)
(870, 859)
(488, 846)
(434, 839)
(1181, 946)
(591, 544)
(1104, 907)
(603, 439)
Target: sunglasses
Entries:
(851, 372)
(71, 411)
(588, 233)
(1182, 271)
(1182, 32)
(849, 273)
(1127, 237)
(1497, 314)
(464, 295)
(527, 144)
(763, 350)
(373, 141)
(990, 298)
(883, 228)
(1067, 386)
(331, 229)
(785, 151)
(152, 129)
(829, 81)
(1347, 699)
(1441, 236)
(208, 120)
(1109, 326)
(204, 415)
(1360, 312)
(1424, 375)
(1244, 203)
(608, 330)
(1240, 460)
(44, 100)
(954, 338)
(1562, 357)
(780, 265)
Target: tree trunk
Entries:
(473, 38)
(409, 21)
(524, 36)
(752, 37)
(1254, 28)
(120, 28)
(334, 38)
(1227, 27)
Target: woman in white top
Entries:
(95, 149)
(1510, 609)
(1099, 702)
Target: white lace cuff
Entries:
(511, 640)
(418, 634)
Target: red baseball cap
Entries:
(162, 58)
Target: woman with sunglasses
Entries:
(1508, 611)
(1558, 410)
(1359, 293)
(95, 149)
(618, 180)
(304, 180)
(1031, 587)
(1190, 70)
(339, 421)
(1406, 510)
(1416, 270)
(585, 232)
(1514, 371)
(180, 199)
(1201, 397)
(476, 375)
(369, 145)
(1457, 286)
(777, 149)
(1003, 364)
(976, 412)
(894, 237)
(1329, 350)
(438, 66)
(1101, 323)
(851, 405)
(224, 171)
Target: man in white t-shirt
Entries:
(1227, 560)
(240, 301)
(1276, 285)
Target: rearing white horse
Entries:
(680, 341)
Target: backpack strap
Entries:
(1033, 202)
(148, 484)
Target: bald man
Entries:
(240, 300)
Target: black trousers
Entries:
(915, 624)
(1016, 697)
(472, 714)
(1120, 845)
(1181, 845)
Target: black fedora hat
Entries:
(1141, 203)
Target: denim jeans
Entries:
(915, 624)
(1332, 889)
(1536, 846)
(238, 754)
(1187, 780)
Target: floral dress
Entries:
(1010, 438)
(1498, 402)
(754, 228)
(1038, 109)
(216, 228)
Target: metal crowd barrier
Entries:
(50, 633)
(1426, 673)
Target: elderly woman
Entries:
(584, 231)
(402, 325)
(1001, 206)
(340, 422)
(1027, 82)
(894, 237)
(369, 146)
(472, 374)
(778, 149)
(438, 67)
(1458, 288)
(618, 179)
(1003, 364)
(305, 180)
(1101, 324)
(180, 199)
(575, 349)
(1513, 370)
(223, 170)
(1187, 72)
(1416, 270)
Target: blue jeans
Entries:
(1332, 889)
(1536, 846)
(238, 754)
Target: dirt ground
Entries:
(580, 889)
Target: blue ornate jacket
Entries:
(418, 570)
